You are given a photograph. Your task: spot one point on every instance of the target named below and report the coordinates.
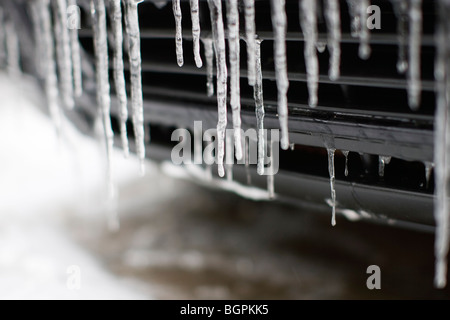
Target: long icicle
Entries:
(442, 144)
(415, 42)
(333, 21)
(279, 24)
(401, 12)
(331, 171)
(218, 32)
(119, 77)
(250, 34)
(364, 35)
(259, 108)
(75, 48)
(49, 67)
(37, 34)
(134, 53)
(63, 52)
(209, 55)
(308, 21)
(178, 31)
(234, 58)
(195, 18)
(98, 13)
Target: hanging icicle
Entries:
(134, 53)
(279, 24)
(442, 144)
(429, 166)
(102, 77)
(333, 21)
(48, 61)
(250, 34)
(73, 23)
(63, 52)
(358, 14)
(195, 18)
(345, 153)
(382, 162)
(119, 77)
(331, 171)
(209, 55)
(308, 21)
(234, 58)
(401, 13)
(415, 42)
(218, 32)
(178, 31)
(259, 108)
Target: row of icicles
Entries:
(67, 53)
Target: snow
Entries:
(39, 183)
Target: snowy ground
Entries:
(176, 240)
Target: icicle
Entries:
(355, 25)
(75, 51)
(345, 153)
(415, 41)
(279, 24)
(37, 33)
(209, 55)
(229, 159)
(250, 35)
(102, 77)
(308, 21)
(218, 32)
(134, 52)
(119, 77)
(2, 39)
(270, 174)
(428, 170)
(332, 179)
(382, 161)
(247, 162)
(442, 144)
(364, 36)
(235, 93)
(358, 14)
(178, 31)
(259, 108)
(48, 62)
(196, 32)
(333, 21)
(401, 13)
(63, 52)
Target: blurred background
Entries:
(177, 240)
